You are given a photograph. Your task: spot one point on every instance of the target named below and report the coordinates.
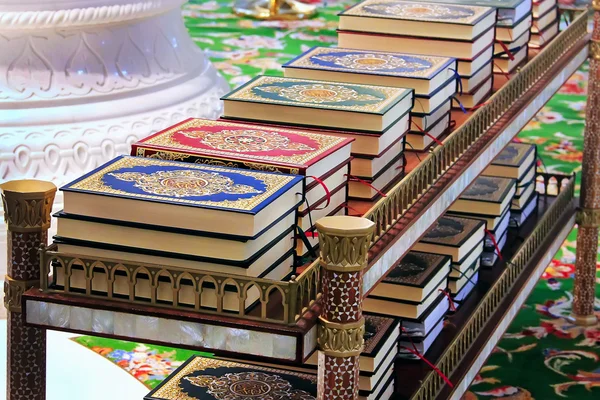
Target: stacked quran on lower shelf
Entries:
(518, 161)
(377, 117)
(488, 198)
(323, 159)
(188, 216)
(464, 32)
(463, 240)
(413, 292)
(545, 23)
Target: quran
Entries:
(453, 236)
(422, 73)
(507, 32)
(185, 196)
(370, 166)
(505, 65)
(508, 10)
(418, 19)
(420, 141)
(540, 7)
(471, 82)
(419, 328)
(203, 141)
(476, 95)
(467, 67)
(427, 121)
(212, 379)
(379, 183)
(540, 39)
(460, 49)
(414, 278)
(421, 344)
(513, 162)
(318, 103)
(487, 195)
(549, 18)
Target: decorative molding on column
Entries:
(341, 340)
(27, 205)
(344, 249)
(274, 9)
(13, 290)
(595, 49)
(588, 217)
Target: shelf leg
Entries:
(344, 244)
(27, 206)
(588, 215)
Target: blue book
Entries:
(509, 11)
(424, 74)
(180, 195)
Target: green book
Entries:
(319, 103)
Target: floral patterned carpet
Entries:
(541, 356)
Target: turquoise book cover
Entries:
(184, 184)
(372, 62)
(319, 94)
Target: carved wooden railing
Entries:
(458, 348)
(298, 294)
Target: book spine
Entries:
(140, 151)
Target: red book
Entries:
(247, 146)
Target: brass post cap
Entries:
(31, 187)
(345, 226)
(27, 204)
(583, 320)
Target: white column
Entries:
(80, 80)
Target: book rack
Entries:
(290, 334)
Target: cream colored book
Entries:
(476, 96)
(467, 49)
(471, 82)
(423, 19)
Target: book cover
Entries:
(419, 11)
(372, 62)
(416, 269)
(212, 379)
(452, 231)
(305, 93)
(489, 189)
(377, 331)
(177, 183)
(513, 155)
(239, 146)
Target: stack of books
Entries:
(377, 117)
(545, 23)
(432, 78)
(462, 239)
(413, 292)
(186, 216)
(488, 198)
(518, 161)
(322, 159)
(464, 32)
(512, 33)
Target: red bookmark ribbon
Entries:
(355, 179)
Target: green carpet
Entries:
(541, 356)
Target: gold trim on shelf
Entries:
(27, 205)
(13, 290)
(274, 9)
(588, 217)
(458, 348)
(341, 340)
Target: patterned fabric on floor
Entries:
(541, 356)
